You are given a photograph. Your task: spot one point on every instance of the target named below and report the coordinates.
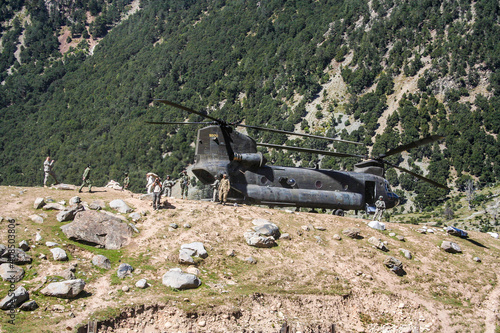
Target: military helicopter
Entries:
(220, 149)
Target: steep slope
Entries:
(309, 281)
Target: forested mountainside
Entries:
(403, 70)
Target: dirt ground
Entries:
(310, 282)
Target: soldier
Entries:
(167, 186)
(224, 187)
(380, 208)
(156, 193)
(126, 182)
(184, 179)
(47, 169)
(86, 179)
(215, 186)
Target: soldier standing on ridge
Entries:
(86, 179)
(126, 182)
(380, 208)
(47, 169)
(184, 179)
(167, 186)
(215, 186)
(224, 188)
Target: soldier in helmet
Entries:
(215, 186)
(380, 208)
(126, 182)
(184, 179)
(86, 179)
(224, 187)
(168, 183)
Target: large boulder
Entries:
(195, 249)
(451, 247)
(378, 244)
(98, 228)
(13, 300)
(124, 270)
(257, 240)
(15, 256)
(53, 206)
(266, 228)
(376, 225)
(394, 265)
(11, 272)
(120, 206)
(69, 213)
(352, 232)
(101, 261)
(177, 279)
(59, 254)
(39, 203)
(64, 289)
(36, 218)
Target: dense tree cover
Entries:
(244, 60)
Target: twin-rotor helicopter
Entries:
(220, 149)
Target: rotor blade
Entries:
(298, 134)
(430, 181)
(164, 101)
(307, 150)
(178, 123)
(415, 144)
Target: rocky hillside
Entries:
(315, 275)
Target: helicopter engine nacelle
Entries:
(250, 159)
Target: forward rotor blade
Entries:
(175, 105)
(430, 181)
(179, 123)
(307, 150)
(298, 134)
(415, 144)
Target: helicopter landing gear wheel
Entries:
(338, 212)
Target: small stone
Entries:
(476, 259)
(142, 283)
(251, 260)
(125, 288)
(202, 323)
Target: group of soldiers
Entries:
(154, 186)
(158, 188)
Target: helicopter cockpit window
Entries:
(263, 180)
(319, 184)
(345, 187)
(291, 182)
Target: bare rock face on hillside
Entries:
(98, 228)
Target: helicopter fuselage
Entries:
(224, 150)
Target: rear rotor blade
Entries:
(175, 105)
(298, 134)
(430, 181)
(415, 144)
(307, 150)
